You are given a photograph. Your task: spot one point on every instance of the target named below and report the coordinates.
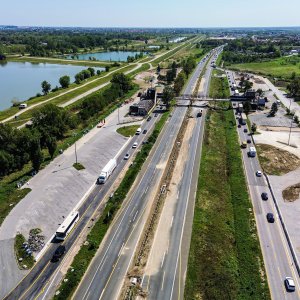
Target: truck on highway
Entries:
(252, 152)
(107, 170)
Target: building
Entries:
(148, 100)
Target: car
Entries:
(155, 115)
(249, 141)
(145, 131)
(239, 126)
(264, 196)
(258, 173)
(270, 218)
(244, 145)
(59, 252)
(289, 284)
(145, 142)
(135, 145)
(149, 118)
(245, 130)
(126, 156)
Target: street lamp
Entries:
(291, 123)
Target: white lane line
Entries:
(162, 284)
(162, 262)
(121, 249)
(172, 221)
(135, 216)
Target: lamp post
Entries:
(75, 153)
(291, 123)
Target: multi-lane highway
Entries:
(106, 274)
(38, 279)
(276, 254)
(168, 281)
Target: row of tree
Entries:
(294, 87)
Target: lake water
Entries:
(106, 56)
(22, 80)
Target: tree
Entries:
(247, 107)
(123, 81)
(92, 71)
(294, 87)
(247, 85)
(46, 87)
(253, 128)
(106, 68)
(168, 95)
(189, 65)
(274, 109)
(158, 69)
(179, 82)
(170, 76)
(64, 81)
(36, 154)
(260, 92)
(51, 145)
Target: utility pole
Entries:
(118, 114)
(291, 123)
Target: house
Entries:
(261, 102)
(148, 100)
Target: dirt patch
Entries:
(291, 193)
(275, 161)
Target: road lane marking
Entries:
(135, 216)
(172, 221)
(163, 280)
(121, 249)
(163, 259)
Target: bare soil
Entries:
(275, 161)
(291, 193)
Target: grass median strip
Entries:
(225, 260)
(219, 87)
(89, 249)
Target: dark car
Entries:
(155, 115)
(149, 118)
(245, 130)
(239, 126)
(270, 218)
(59, 252)
(264, 196)
(249, 141)
(145, 131)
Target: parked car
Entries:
(239, 126)
(155, 115)
(258, 173)
(126, 156)
(249, 141)
(270, 218)
(135, 145)
(289, 284)
(59, 252)
(149, 118)
(245, 130)
(264, 196)
(145, 131)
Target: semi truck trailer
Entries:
(107, 170)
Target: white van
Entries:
(23, 105)
(139, 130)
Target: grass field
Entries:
(225, 260)
(128, 131)
(281, 67)
(219, 87)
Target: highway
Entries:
(39, 277)
(106, 274)
(169, 281)
(276, 254)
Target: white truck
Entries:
(252, 152)
(107, 170)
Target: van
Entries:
(244, 144)
(23, 105)
(139, 130)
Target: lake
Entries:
(22, 80)
(106, 56)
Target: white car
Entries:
(135, 145)
(126, 156)
(289, 284)
(258, 173)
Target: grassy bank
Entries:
(219, 87)
(225, 260)
(282, 67)
(20, 252)
(87, 252)
(128, 130)
(86, 63)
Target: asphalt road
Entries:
(34, 283)
(105, 275)
(169, 281)
(276, 254)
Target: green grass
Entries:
(87, 63)
(281, 67)
(21, 253)
(87, 252)
(225, 260)
(78, 166)
(219, 87)
(128, 131)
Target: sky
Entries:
(154, 13)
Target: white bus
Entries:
(67, 226)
